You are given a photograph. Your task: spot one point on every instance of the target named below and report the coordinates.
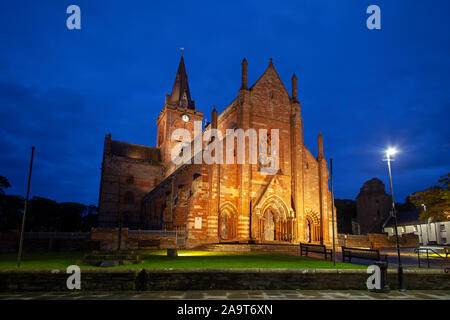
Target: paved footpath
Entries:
(235, 295)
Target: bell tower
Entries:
(178, 112)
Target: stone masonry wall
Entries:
(108, 239)
(377, 240)
(233, 201)
(216, 279)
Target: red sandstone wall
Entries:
(115, 186)
(266, 105)
(377, 240)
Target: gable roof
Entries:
(271, 69)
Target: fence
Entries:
(57, 235)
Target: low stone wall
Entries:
(217, 279)
(255, 279)
(378, 240)
(9, 242)
(108, 238)
(100, 239)
(92, 280)
(293, 249)
(12, 245)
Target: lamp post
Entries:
(332, 211)
(19, 255)
(390, 152)
(428, 223)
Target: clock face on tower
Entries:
(185, 118)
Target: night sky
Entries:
(63, 90)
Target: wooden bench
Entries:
(360, 253)
(305, 248)
(149, 244)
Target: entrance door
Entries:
(227, 226)
(308, 231)
(269, 226)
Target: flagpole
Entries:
(19, 256)
(332, 211)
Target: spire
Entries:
(214, 118)
(244, 74)
(320, 146)
(271, 63)
(294, 87)
(181, 95)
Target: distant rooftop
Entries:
(373, 186)
(406, 218)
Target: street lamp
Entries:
(428, 223)
(390, 152)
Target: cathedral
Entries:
(143, 188)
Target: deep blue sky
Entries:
(63, 90)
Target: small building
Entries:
(437, 232)
(373, 207)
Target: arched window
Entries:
(129, 197)
(269, 143)
(266, 157)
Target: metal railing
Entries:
(427, 251)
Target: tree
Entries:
(445, 191)
(4, 183)
(45, 214)
(8, 205)
(11, 210)
(70, 216)
(89, 219)
(434, 201)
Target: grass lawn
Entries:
(185, 259)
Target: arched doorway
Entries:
(228, 223)
(312, 227)
(276, 225)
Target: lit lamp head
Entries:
(391, 151)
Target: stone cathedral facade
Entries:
(142, 188)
